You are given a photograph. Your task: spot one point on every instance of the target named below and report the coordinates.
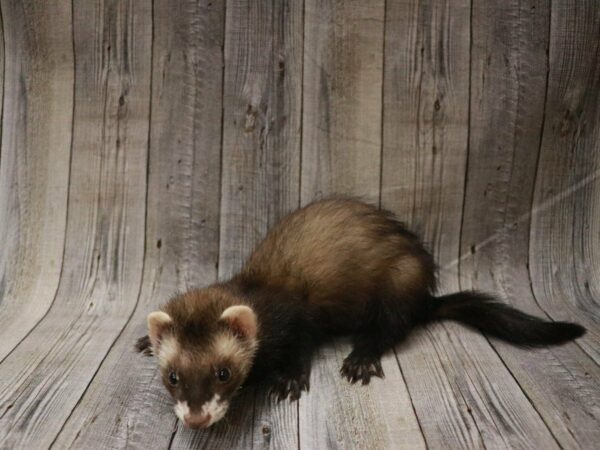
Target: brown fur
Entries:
(339, 254)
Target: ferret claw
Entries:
(284, 387)
(356, 368)
(144, 346)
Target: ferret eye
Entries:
(173, 378)
(223, 374)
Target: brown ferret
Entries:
(335, 267)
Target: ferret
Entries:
(335, 267)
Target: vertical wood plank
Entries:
(34, 166)
(461, 391)
(424, 159)
(260, 179)
(341, 136)
(343, 58)
(564, 258)
(567, 191)
(261, 128)
(510, 64)
(426, 121)
(105, 229)
(126, 405)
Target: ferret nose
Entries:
(196, 421)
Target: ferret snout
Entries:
(197, 421)
(211, 412)
(189, 419)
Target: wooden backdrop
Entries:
(146, 146)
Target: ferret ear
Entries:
(242, 320)
(159, 322)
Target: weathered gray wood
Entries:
(476, 121)
(509, 84)
(341, 153)
(565, 274)
(126, 405)
(341, 133)
(261, 128)
(337, 414)
(34, 172)
(104, 248)
(425, 155)
(424, 158)
(2, 65)
(260, 178)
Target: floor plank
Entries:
(34, 166)
(126, 405)
(105, 229)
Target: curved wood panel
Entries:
(147, 146)
(509, 87)
(564, 232)
(126, 396)
(104, 248)
(426, 171)
(37, 115)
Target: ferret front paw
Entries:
(284, 386)
(357, 367)
(144, 346)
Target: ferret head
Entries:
(205, 346)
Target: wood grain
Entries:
(146, 147)
(341, 153)
(425, 157)
(34, 171)
(341, 133)
(2, 68)
(126, 405)
(496, 229)
(261, 124)
(260, 179)
(105, 229)
(565, 274)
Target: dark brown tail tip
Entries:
(570, 331)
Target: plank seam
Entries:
(412, 404)
(301, 116)
(381, 133)
(452, 392)
(531, 402)
(465, 184)
(3, 82)
(537, 163)
(222, 134)
(299, 203)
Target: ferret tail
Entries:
(493, 318)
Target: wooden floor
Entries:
(146, 146)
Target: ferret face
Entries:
(203, 362)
